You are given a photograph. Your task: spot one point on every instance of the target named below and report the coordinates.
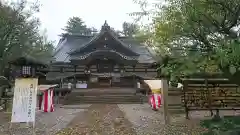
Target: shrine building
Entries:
(103, 60)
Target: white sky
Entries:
(55, 13)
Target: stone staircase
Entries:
(104, 96)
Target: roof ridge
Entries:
(103, 31)
(77, 35)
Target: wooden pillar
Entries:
(185, 88)
(209, 96)
(134, 81)
(61, 82)
(134, 77)
(75, 68)
(75, 81)
(61, 69)
(164, 91)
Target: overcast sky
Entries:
(55, 13)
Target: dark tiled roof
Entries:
(70, 43)
(146, 53)
(27, 60)
(103, 31)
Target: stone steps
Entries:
(92, 92)
(106, 96)
(107, 100)
(101, 102)
(101, 94)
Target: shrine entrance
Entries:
(104, 68)
(105, 81)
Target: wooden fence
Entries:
(210, 94)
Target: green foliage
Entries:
(228, 125)
(195, 35)
(19, 34)
(130, 29)
(143, 35)
(76, 25)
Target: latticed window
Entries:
(26, 70)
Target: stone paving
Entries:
(148, 122)
(104, 119)
(100, 119)
(46, 123)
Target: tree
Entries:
(93, 31)
(207, 24)
(19, 34)
(195, 33)
(117, 33)
(43, 49)
(129, 29)
(76, 25)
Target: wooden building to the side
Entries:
(102, 60)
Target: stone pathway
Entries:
(149, 122)
(100, 119)
(103, 119)
(46, 123)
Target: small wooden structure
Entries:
(26, 66)
(210, 94)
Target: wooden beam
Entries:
(164, 85)
(93, 69)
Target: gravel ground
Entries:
(46, 123)
(100, 119)
(124, 119)
(149, 122)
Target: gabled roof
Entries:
(105, 29)
(73, 43)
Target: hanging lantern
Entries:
(28, 70)
(26, 66)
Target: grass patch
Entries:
(228, 125)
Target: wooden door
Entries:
(105, 66)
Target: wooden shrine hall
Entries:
(102, 60)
